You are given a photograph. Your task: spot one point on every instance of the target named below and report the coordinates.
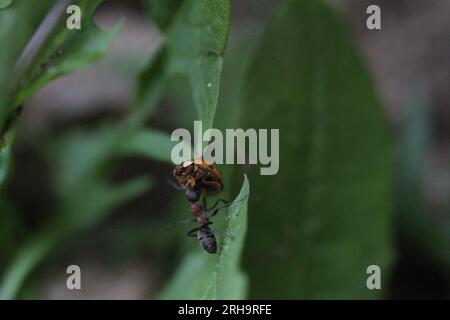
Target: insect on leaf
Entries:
(204, 276)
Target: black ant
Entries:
(201, 178)
(205, 235)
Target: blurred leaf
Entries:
(416, 224)
(18, 21)
(6, 156)
(194, 46)
(83, 155)
(17, 24)
(81, 161)
(5, 3)
(204, 276)
(240, 49)
(67, 51)
(162, 12)
(326, 216)
(151, 86)
(25, 260)
(91, 205)
(150, 143)
(9, 227)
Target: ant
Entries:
(198, 178)
(205, 235)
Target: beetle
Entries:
(198, 177)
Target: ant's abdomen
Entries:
(207, 240)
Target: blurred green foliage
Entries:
(430, 237)
(66, 51)
(162, 12)
(5, 3)
(79, 159)
(17, 24)
(313, 228)
(326, 216)
(195, 42)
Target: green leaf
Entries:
(18, 20)
(17, 24)
(6, 156)
(162, 12)
(5, 3)
(151, 86)
(9, 229)
(326, 216)
(150, 143)
(80, 161)
(67, 51)
(77, 212)
(194, 46)
(204, 276)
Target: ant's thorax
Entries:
(197, 212)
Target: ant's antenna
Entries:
(175, 185)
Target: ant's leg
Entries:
(214, 213)
(214, 208)
(173, 184)
(193, 232)
(173, 224)
(217, 202)
(205, 205)
(186, 221)
(227, 204)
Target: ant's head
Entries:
(193, 195)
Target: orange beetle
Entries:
(198, 177)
